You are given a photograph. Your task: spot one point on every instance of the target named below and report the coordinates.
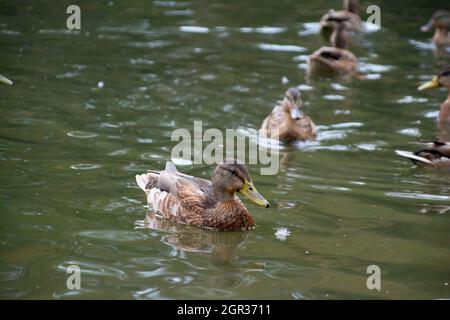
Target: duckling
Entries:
(440, 22)
(436, 154)
(335, 59)
(286, 122)
(202, 203)
(5, 80)
(441, 80)
(349, 16)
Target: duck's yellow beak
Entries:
(250, 192)
(5, 80)
(434, 83)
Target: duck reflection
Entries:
(221, 246)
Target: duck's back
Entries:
(273, 122)
(176, 196)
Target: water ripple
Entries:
(419, 196)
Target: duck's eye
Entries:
(251, 189)
(233, 172)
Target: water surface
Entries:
(92, 108)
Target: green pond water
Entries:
(90, 109)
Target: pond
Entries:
(90, 109)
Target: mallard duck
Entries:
(349, 16)
(287, 122)
(202, 203)
(441, 80)
(5, 80)
(436, 154)
(440, 22)
(335, 59)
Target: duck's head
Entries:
(439, 20)
(292, 103)
(441, 80)
(232, 176)
(351, 5)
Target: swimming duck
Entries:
(349, 16)
(202, 203)
(440, 22)
(335, 59)
(441, 80)
(287, 122)
(436, 154)
(5, 80)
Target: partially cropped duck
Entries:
(435, 154)
(5, 80)
(287, 122)
(441, 80)
(202, 203)
(440, 22)
(349, 15)
(336, 59)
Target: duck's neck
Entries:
(287, 116)
(221, 193)
(339, 37)
(444, 113)
(352, 6)
(440, 36)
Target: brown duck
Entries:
(336, 59)
(436, 154)
(202, 203)
(349, 15)
(441, 80)
(440, 22)
(287, 122)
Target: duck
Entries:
(441, 80)
(435, 154)
(286, 122)
(209, 204)
(440, 22)
(5, 80)
(349, 15)
(335, 59)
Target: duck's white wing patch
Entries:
(411, 155)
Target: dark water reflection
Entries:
(90, 109)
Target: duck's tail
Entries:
(142, 180)
(413, 157)
(147, 180)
